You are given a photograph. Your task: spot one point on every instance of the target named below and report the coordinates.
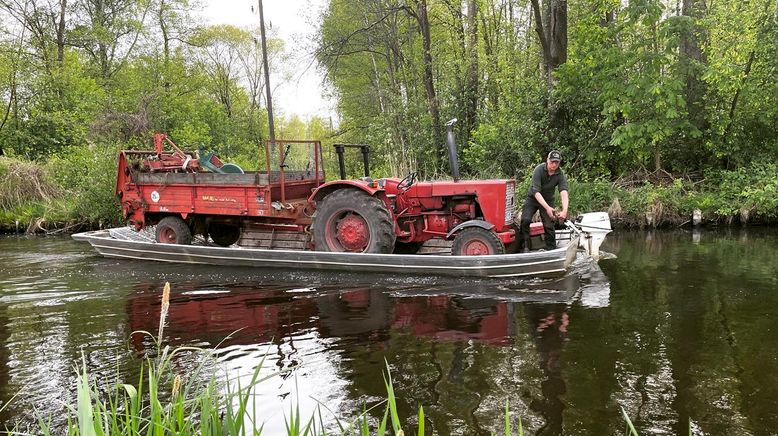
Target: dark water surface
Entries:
(676, 326)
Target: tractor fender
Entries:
(327, 188)
(472, 223)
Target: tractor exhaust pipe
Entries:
(453, 159)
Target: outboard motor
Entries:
(453, 159)
(595, 226)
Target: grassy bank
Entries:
(74, 191)
(70, 192)
(740, 197)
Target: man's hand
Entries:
(550, 212)
(562, 215)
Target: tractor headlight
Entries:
(509, 195)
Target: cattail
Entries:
(176, 385)
(165, 307)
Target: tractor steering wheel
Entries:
(406, 183)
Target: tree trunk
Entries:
(746, 72)
(471, 84)
(551, 28)
(692, 58)
(557, 37)
(165, 36)
(429, 85)
(61, 32)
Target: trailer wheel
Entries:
(475, 241)
(349, 220)
(173, 230)
(224, 234)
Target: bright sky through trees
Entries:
(298, 90)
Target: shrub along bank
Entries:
(70, 192)
(75, 191)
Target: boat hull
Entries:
(534, 264)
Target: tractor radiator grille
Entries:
(509, 195)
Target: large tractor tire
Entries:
(224, 234)
(349, 220)
(475, 241)
(173, 230)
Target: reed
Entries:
(24, 182)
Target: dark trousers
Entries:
(528, 210)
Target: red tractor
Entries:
(370, 216)
(398, 215)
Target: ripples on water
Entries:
(565, 352)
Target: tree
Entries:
(108, 31)
(551, 28)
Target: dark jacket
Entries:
(545, 184)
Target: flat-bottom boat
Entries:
(587, 232)
(538, 263)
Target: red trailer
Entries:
(171, 189)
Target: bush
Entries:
(88, 175)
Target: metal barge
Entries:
(115, 243)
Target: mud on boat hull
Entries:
(534, 264)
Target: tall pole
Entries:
(271, 125)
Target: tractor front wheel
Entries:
(173, 230)
(475, 241)
(353, 221)
(224, 234)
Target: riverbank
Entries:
(75, 193)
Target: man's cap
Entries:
(555, 155)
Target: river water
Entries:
(674, 327)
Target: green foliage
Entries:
(632, 95)
(745, 191)
(743, 195)
(590, 196)
(57, 114)
(88, 176)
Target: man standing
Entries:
(545, 178)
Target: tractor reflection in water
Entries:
(298, 328)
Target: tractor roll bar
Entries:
(339, 148)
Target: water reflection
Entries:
(326, 335)
(250, 313)
(551, 323)
(346, 333)
(670, 330)
(4, 368)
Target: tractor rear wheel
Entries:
(349, 220)
(173, 230)
(224, 234)
(475, 241)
